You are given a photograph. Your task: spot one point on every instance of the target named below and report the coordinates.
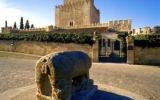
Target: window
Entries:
(71, 24)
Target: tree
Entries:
(27, 26)
(6, 24)
(21, 23)
(32, 26)
(15, 25)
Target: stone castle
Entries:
(78, 16)
(76, 13)
(82, 14)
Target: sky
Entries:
(41, 12)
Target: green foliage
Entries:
(122, 34)
(32, 26)
(147, 40)
(158, 33)
(6, 24)
(27, 26)
(15, 26)
(141, 37)
(50, 37)
(21, 23)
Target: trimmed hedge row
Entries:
(141, 37)
(147, 37)
(147, 40)
(146, 43)
(51, 37)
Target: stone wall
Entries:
(11, 30)
(117, 25)
(142, 55)
(43, 48)
(84, 30)
(147, 55)
(75, 13)
(6, 29)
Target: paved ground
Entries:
(16, 73)
(143, 80)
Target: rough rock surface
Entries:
(56, 74)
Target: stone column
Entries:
(112, 46)
(106, 47)
(95, 52)
(120, 48)
(130, 50)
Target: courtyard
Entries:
(17, 70)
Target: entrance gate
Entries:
(112, 49)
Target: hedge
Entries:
(147, 40)
(51, 37)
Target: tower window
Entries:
(71, 24)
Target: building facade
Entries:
(156, 29)
(145, 30)
(76, 13)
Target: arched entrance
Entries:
(111, 48)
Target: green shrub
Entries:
(51, 37)
(147, 40)
(141, 37)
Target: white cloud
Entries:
(12, 14)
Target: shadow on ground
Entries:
(103, 95)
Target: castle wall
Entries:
(147, 55)
(11, 30)
(69, 1)
(76, 13)
(117, 25)
(142, 55)
(6, 29)
(65, 16)
(94, 14)
(43, 48)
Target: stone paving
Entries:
(142, 80)
(139, 79)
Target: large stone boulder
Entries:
(60, 75)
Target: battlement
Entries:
(11, 30)
(43, 29)
(118, 25)
(69, 6)
(66, 2)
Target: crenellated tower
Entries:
(73, 1)
(76, 13)
(68, 1)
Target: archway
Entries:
(111, 48)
